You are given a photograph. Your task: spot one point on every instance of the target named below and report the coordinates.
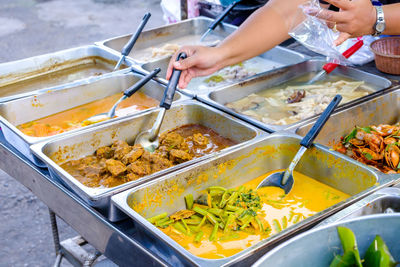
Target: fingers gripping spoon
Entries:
(285, 179)
(329, 67)
(127, 93)
(149, 139)
(129, 45)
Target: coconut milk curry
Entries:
(222, 222)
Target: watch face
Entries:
(380, 27)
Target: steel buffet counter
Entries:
(116, 241)
(120, 241)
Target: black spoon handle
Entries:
(217, 21)
(128, 47)
(312, 134)
(134, 88)
(169, 92)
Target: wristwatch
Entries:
(380, 24)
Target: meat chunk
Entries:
(162, 151)
(92, 171)
(179, 156)
(121, 148)
(140, 167)
(200, 140)
(132, 176)
(136, 152)
(115, 167)
(172, 140)
(159, 163)
(104, 152)
(119, 144)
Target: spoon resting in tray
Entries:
(285, 179)
(127, 93)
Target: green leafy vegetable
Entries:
(350, 136)
(368, 156)
(377, 255)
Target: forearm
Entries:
(392, 18)
(265, 29)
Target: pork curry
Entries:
(120, 162)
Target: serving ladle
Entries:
(129, 45)
(127, 93)
(149, 139)
(285, 178)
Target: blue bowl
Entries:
(318, 246)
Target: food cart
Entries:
(103, 218)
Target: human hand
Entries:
(355, 18)
(200, 61)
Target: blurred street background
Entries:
(34, 27)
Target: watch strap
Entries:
(380, 19)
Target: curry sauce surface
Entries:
(75, 117)
(307, 197)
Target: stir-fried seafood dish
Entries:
(289, 104)
(120, 163)
(377, 146)
(220, 222)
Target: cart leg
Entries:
(56, 238)
(71, 249)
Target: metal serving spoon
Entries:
(127, 93)
(285, 179)
(149, 139)
(129, 45)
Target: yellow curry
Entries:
(232, 220)
(75, 118)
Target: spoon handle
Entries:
(218, 20)
(169, 92)
(312, 134)
(134, 88)
(128, 47)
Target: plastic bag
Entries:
(364, 54)
(314, 34)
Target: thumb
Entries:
(186, 63)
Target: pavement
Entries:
(35, 27)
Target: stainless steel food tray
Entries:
(33, 67)
(278, 57)
(383, 109)
(22, 110)
(228, 94)
(386, 200)
(233, 169)
(319, 246)
(166, 34)
(85, 142)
